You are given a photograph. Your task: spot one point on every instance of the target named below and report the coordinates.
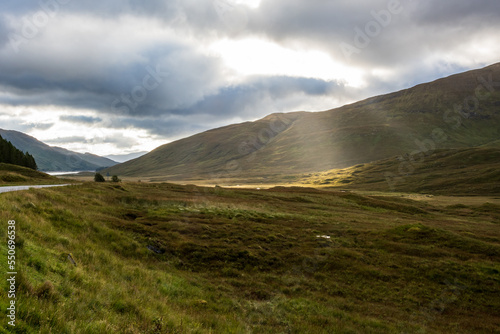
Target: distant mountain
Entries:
(459, 111)
(125, 157)
(51, 158)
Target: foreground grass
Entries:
(162, 258)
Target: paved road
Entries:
(17, 188)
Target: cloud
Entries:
(81, 119)
(405, 38)
(110, 8)
(4, 32)
(255, 98)
(150, 66)
(119, 141)
(127, 76)
(18, 124)
(64, 140)
(263, 93)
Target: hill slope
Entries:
(471, 171)
(16, 175)
(50, 158)
(459, 111)
(209, 152)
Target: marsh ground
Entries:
(166, 258)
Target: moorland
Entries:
(168, 258)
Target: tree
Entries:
(98, 177)
(115, 178)
(31, 163)
(11, 155)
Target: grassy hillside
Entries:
(161, 258)
(208, 153)
(459, 111)
(51, 158)
(17, 175)
(474, 171)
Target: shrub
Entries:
(98, 177)
(115, 178)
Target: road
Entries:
(17, 188)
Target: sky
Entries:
(122, 76)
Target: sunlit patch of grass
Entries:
(478, 174)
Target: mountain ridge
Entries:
(375, 128)
(53, 158)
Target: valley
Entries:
(457, 112)
(377, 217)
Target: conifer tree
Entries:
(11, 155)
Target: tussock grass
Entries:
(163, 258)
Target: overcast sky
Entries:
(119, 76)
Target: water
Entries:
(56, 173)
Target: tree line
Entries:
(11, 155)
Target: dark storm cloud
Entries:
(253, 99)
(261, 94)
(440, 13)
(162, 79)
(174, 83)
(169, 76)
(165, 126)
(411, 31)
(114, 58)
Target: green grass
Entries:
(473, 171)
(163, 258)
(12, 175)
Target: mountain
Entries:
(459, 111)
(51, 158)
(125, 157)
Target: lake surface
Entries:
(56, 173)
